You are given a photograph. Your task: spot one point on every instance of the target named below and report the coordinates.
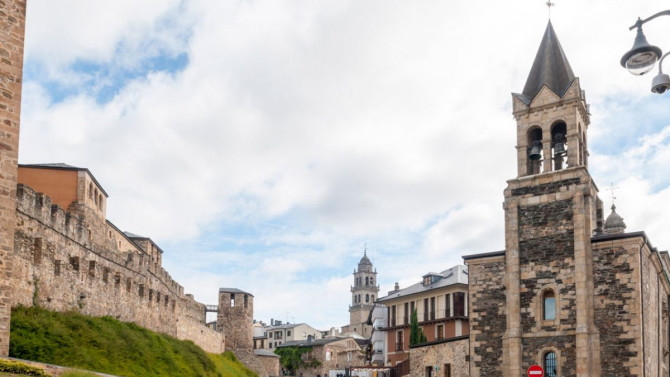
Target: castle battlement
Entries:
(72, 260)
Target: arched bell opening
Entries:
(534, 150)
(559, 146)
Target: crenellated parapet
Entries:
(72, 260)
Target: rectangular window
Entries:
(91, 268)
(429, 371)
(393, 317)
(447, 370)
(411, 307)
(151, 296)
(407, 314)
(399, 341)
(117, 280)
(439, 330)
(57, 267)
(432, 308)
(270, 335)
(141, 290)
(288, 333)
(128, 284)
(447, 305)
(425, 309)
(74, 261)
(459, 304)
(232, 299)
(246, 301)
(37, 250)
(105, 275)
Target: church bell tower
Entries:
(551, 211)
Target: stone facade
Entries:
(487, 314)
(12, 21)
(443, 358)
(563, 294)
(235, 318)
(70, 261)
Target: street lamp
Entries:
(643, 56)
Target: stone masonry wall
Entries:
(454, 353)
(58, 266)
(12, 31)
(546, 255)
(650, 314)
(235, 319)
(487, 316)
(546, 260)
(617, 310)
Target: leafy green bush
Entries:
(21, 368)
(110, 346)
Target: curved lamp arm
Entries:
(641, 22)
(660, 63)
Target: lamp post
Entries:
(643, 56)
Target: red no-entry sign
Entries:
(535, 371)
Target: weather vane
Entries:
(549, 5)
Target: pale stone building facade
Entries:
(570, 292)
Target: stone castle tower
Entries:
(364, 292)
(235, 318)
(570, 293)
(12, 19)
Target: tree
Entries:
(416, 334)
(291, 358)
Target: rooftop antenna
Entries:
(549, 4)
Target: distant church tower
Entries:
(363, 294)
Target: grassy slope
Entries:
(109, 346)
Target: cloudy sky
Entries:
(263, 143)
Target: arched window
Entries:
(366, 280)
(559, 145)
(534, 151)
(359, 298)
(549, 364)
(367, 298)
(549, 305)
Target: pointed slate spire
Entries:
(550, 68)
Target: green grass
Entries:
(109, 346)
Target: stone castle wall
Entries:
(67, 261)
(235, 319)
(12, 26)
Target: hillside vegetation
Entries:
(109, 346)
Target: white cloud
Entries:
(298, 131)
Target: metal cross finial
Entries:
(365, 248)
(549, 4)
(611, 189)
